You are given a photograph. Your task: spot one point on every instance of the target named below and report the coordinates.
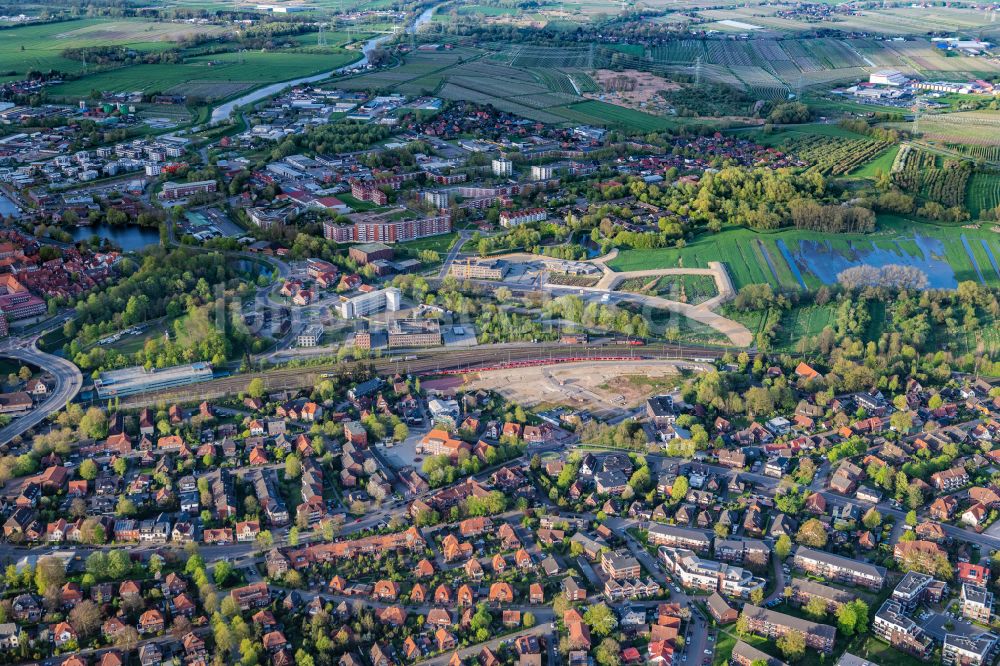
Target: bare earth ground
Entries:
(605, 388)
(139, 31)
(640, 92)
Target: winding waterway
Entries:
(225, 110)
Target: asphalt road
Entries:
(67, 376)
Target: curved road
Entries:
(67, 376)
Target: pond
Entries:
(128, 237)
(7, 208)
(825, 261)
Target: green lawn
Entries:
(882, 163)
(440, 244)
(884, 655)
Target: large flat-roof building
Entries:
(129, 381)
(309, 337)
(370, 303)
(405, 333)
(887, 77)
(479, 269)
(173, 190)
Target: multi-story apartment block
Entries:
(772, 624)
(915, 588)
(839, 568)
(678, 537)
(961, 650)
(977, 603)
(173, 190)
(708, 575)
(620, 565)
(515, 218)
(893, 626)
(381, 228)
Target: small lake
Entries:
(128, 237)
(7, 207)
(825, 261)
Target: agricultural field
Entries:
(544, 86)
(931, 176)
(836, 156)
(608, 115)
(40, 47)
(793, 259)
(983, 194)
(976, 129)
(218, 76)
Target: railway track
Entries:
(427, 363)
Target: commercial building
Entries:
(310, 337)
(479, 269)
(366, 253)
(129, 381)
(887, 77)
(365, 304)
(405, 333)
(173, 190)
(16, 302)
(839, 568)
(772, 624)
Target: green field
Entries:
(212, 77)
(983, 193)
(603, 114)
(882, 163)
(40, 47)
(752, 257)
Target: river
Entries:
(225, 110)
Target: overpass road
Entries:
(68, 380)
